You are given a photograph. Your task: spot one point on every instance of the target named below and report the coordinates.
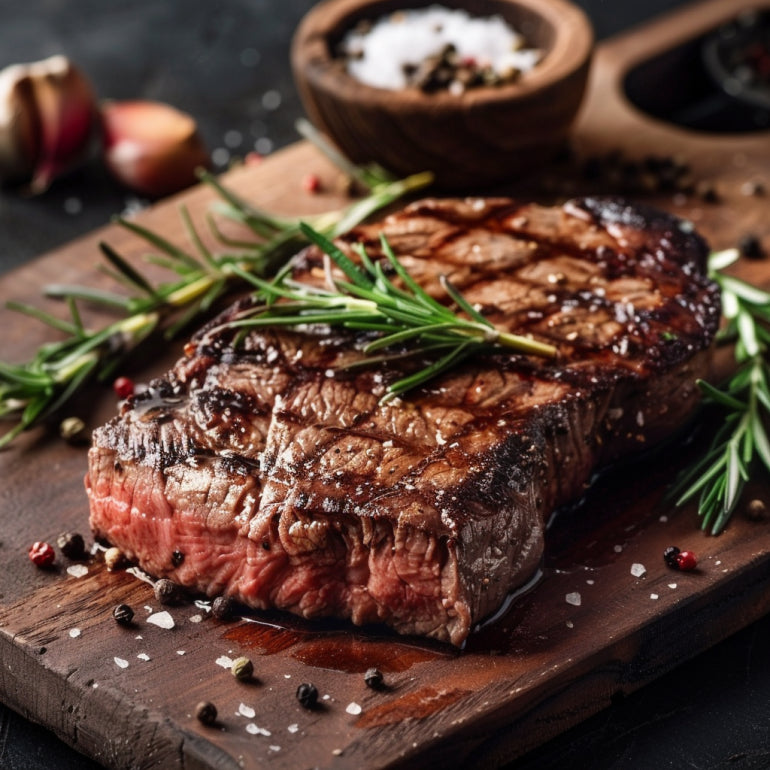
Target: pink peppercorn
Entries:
(123, 387)
(686, 561)
(42, 554)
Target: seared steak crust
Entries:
(284, 482)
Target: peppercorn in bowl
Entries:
(477, 92)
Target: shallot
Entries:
(151, 147)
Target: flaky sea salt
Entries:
(573, 598)
(224, 661)
(161, 620)
(377, 56)
(77, 570)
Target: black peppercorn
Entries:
(72, 545)
(707, 192)
(750, 246)
(373, 678)
(177, 558)
(206, 712)
(669, 556)
(223, 608)
(307, 695)
(123, 614)
(167, 591)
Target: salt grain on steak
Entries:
(288, 489)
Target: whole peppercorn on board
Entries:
(606, 616)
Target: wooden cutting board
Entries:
(126, 696)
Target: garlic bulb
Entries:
(151, 147)
(47, 112)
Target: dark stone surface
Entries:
(226, 62)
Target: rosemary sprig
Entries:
(717, 479)
(31, 392)
(406, 318)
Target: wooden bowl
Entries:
(485, 135)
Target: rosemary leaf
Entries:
(741, 443)
(32, 391)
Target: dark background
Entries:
(226, 63)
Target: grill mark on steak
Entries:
(278, 474)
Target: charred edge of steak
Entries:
(285, 483)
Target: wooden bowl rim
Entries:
(569, 52)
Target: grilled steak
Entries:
(269, 471)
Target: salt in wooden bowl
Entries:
(470, 140)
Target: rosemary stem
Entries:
(526, 344)
(189, 293)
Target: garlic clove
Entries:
(151, 147)
(66, 109)
(47, 112)
(19, 135)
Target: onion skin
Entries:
(151, 147)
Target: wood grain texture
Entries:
(541, 668)
(482, 136)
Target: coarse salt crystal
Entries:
(257, 730)
(121, 663)
(617, 548)
(180, 652)
(573, 598)
(570, 624)
(74, 633)
(161, 620)
(293, 728)
(653, 596)
(224, 661)
(143, 656)
(672, 585)
(196, 619)
(354, 709)
(590, 582)
(77, 570)
(378, 56)
(638, 570)
(246, 711)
